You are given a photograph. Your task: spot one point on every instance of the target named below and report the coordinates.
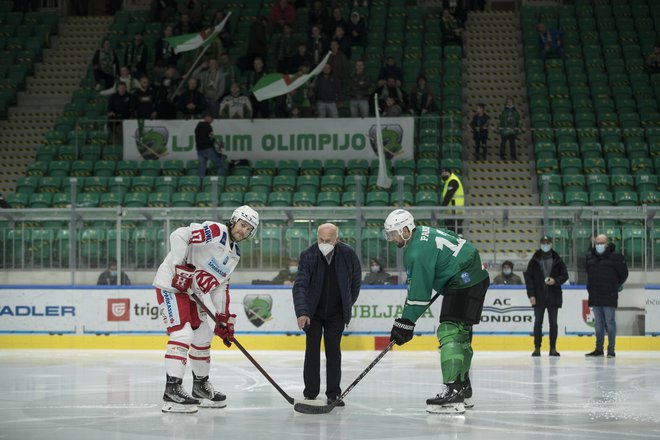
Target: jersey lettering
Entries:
(441, 242)
(205, 281)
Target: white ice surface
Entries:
(80, 395)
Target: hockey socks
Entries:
(454, 346)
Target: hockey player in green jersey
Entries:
(438, 260)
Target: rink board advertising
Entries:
(269, 310)
(273, 139)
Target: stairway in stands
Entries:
(55, 77)
(493, 71)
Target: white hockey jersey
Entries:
(207, 247)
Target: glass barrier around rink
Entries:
(138, 238)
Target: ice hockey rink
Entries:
(94, 394)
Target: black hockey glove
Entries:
(402, 331)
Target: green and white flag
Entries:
(383, 180)
(278, 84)
(184, 43)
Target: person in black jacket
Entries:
(545, 274)
(326, 287)
(606, 273)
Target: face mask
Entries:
(600, 248)
(113, 273)
(546, 247)
(293, 269)
(326, 248)
(506, 271)
(375, 269)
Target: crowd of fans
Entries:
(222, 86)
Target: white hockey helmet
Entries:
(247, 214)
(397, 220)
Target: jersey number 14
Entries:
(442, 242)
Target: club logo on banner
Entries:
(119, 309)
(587, 315)
(392, 138)
(258, 308)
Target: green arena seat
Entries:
(90, 152)
(173, 167)
(649, 197)
(328, 199)
(256, 199)
(59, 168)
(167, 184)
(61, 200)
(111, 240)
(280, 198)
(203, 200)
(427, 182)
(593, 165)
(378, 198)
(350, 198)
(555, 198)
(209, 181)
(357, 167)
(119, 185)
(189, 184)
(545, 150)
(428, 166)
(547, 166)
(304, 199)
(110, 200)
(95, 184)
(143, 247)
(288, 168)
(183, 199)
(571, 165)
(297, 240)
(626, 198)
(332, 183)
(601, 198)
(618, 166)
(231, 199)
(568, 149)
(88, 200)
(150, 168)
(66, 152)
(641, 165)
(158, 200)
(135, 199)
(576, 198)
(554, 182)
(335, 167)
(92, 247)
(261, 182)
(265, 168)
(646, 182)
(404, 167)
(270, 239)
(142, 184)
(41, 246)
(236, 183)
(40, 200)
(28, 184)
(105, 168)
(81, 168)
(126, 168)
(622, 182)
(633, 238)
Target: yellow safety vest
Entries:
(459, 195)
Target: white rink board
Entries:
(134, 310)
(652, 321)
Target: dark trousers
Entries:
(480, 145)
(332, 329)
(538, 325)
(105, 78)
(512, 146)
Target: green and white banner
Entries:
(274, 139)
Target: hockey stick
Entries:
(304, 408)
(288, 398)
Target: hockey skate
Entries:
(467, 393)
(450, 401)
(208, 397)
(177, 400)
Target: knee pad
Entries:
(202, 335)
(184, 335)
(453, 332)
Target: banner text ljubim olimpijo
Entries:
(274, 139)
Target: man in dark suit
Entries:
(326, 287)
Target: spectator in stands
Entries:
(507, 276)
(452, 29)
(192, 102)
(280, 14)
(163, 10)
(343, 40)
(166, 86)
(136, 56)
(185, 26)
(260, 109)
(545, 274)
(550, 42)
(211, 84)
(109, 276)
(606, 273)
(194, 9)
(229, 72)
(421, 98)
(235, 105)
(452, 195)
(341, 67)
(299, 58)
(124, 77)
(164, 52)
(105, 65)
(479, 126)
(287, 275)
(257, 43)
(356, 30)
(359, 89)
(377, 274)
(509, 128)
(391, 107)
(299, 104)
(327, 93)
(336, 19)
(285, 49)
(391, 89)
(119, 108)
(653, 60)
(457, 10)
(318, 15)
(225, 33)
(318, 45)
(144, 100)
(4, 204)
(390, 70)
(205, 143)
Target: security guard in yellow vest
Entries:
(452, 195)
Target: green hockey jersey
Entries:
(436, 260)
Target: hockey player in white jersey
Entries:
(202, 257)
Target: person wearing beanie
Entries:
(507, 277)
